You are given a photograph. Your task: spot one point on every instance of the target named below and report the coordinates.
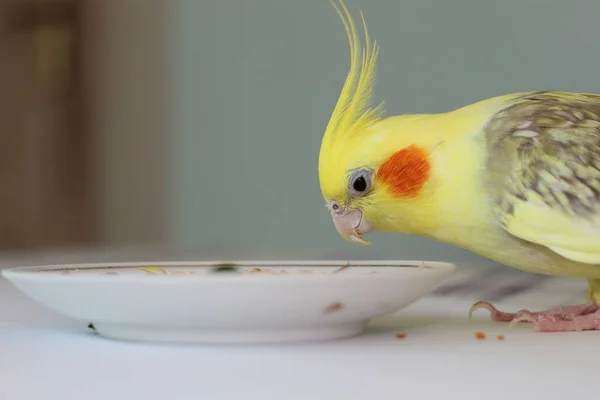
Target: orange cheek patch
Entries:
(406, 171)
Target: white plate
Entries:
(191, 303)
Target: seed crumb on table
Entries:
(400, 335)
(479, 335)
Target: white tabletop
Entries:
(45, 356)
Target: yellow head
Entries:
(371, 174)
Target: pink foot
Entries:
(571, 318)
(549, 323)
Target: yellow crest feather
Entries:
(352, 112)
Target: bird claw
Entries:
(522, 316)
(495, 314)
(560, 319)
(480, 304)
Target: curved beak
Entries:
(351, 226)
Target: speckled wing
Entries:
(544, 171)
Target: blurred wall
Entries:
(126, 78)
(255, 82)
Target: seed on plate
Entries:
(500, 337)
(154, 270)
(260, 271)
(400, 335)
(333, 307)
(225, 268)
(480, 335)
(343, 267)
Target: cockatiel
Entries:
(514, 178)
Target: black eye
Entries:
(360, 184)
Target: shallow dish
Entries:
(229, 302)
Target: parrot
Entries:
(514, 178)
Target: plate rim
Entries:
(31, 273)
